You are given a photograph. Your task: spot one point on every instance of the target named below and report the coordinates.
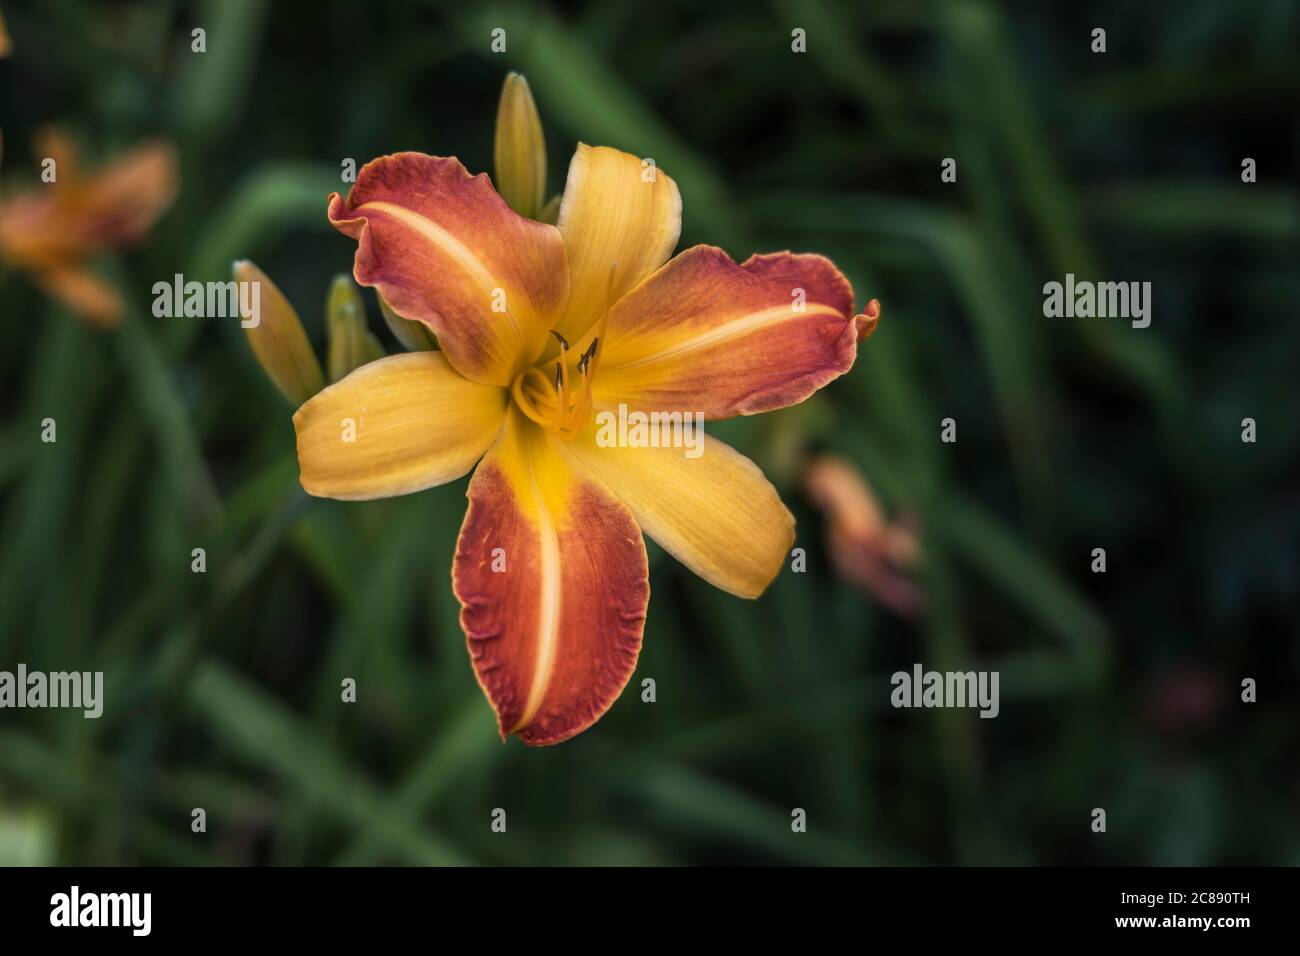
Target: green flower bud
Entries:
(414, 336)
(351, 345)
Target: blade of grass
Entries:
(255, 726)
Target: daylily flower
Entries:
(540, 327)
(51, 231)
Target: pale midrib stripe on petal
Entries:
(548, 620)
(728, 330)
(444, 240)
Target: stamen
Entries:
(586, 356)
(558, 404)
(563, 369)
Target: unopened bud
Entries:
(414, 336)
(520, 149)
(278, 339)
(550, 213)
(351, 345)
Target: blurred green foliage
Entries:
(1118, 690)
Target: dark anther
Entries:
(586, 356)
(563, 344)
(559, 377)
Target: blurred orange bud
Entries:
(865, 549)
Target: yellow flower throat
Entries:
(555, 397)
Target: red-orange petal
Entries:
(704, 334)
(444, 249)
(551, 574)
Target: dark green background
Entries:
(1118, 690)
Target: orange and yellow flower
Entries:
(539, 328)
(52, 231)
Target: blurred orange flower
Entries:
(51, 231)
(6, 47)
(865, 549)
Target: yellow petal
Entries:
(620, 218)
(715, 513)
(351, 345)
(520, 149)
(398, 425)
(278, 340)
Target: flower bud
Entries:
(351, 345)
(414, 336)
(550, 213)
(520, 150)
(277, 338)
